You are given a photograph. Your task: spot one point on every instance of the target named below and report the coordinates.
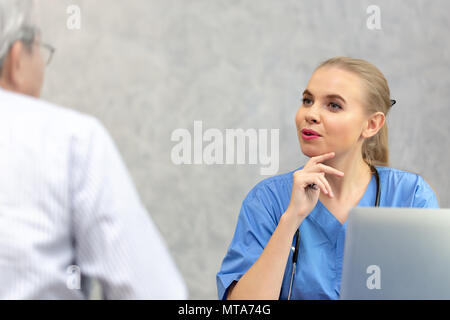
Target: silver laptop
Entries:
(396, 253)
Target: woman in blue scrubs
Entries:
(341, 126)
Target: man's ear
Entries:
(374, 124)
(12, 65)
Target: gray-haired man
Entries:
(68, 208)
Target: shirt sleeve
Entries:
(115, 240)
(255, 226)
(424, 196)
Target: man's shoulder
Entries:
(37, 115)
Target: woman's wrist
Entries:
(291, 220)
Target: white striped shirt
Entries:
(66, 199)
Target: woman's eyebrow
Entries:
(307, 92)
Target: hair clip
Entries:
(393, 102)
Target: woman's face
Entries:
(332, 106)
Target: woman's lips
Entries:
(306, 137)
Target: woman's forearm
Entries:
(263, 280)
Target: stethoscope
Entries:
(297, 233)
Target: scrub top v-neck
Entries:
(322, 235)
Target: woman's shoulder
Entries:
(397, 174)
(276, 185)
(411, 181)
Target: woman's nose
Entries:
(312, 113)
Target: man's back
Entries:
(66, 199)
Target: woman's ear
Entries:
(374, 123)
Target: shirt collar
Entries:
(329, 224)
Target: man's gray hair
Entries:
(17, 22)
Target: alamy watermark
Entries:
(73, 281)
(74, 17)
(230, 147)
(374, 20)
(374, 280)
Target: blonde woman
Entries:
(341, 126)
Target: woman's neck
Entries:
(356, 172)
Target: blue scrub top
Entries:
(322, 236)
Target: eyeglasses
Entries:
(47, 52)
(30, 33)
(393, 102)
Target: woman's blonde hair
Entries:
(375, 150)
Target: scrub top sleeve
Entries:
(255, 226)
(424, 196)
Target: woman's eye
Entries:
(306, 101)
(335, 106)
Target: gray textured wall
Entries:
(146, 68)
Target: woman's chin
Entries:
(310, 151)
(314, 152)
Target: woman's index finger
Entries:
(324, 157)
